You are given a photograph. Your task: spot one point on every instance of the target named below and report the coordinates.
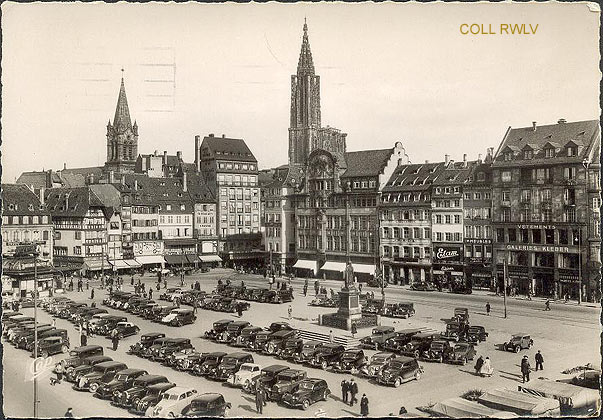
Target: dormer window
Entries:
(528, 154)
(508, 156)
(572, 151)
(549, 152)
(11, 206)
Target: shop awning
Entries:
(307, 264)
(95, 265)
(210, 258)
(192, 258)
(150, 259)
(133, 263)
(118, 264)
(364, 268)
(176, 259)
(333, 266)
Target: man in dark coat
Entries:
(525, 369)
(345, 388)
(478, 364)
(539, 360)
(364, 406)
(353, 392)
(259, 400)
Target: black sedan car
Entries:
(126, 329)
(153, 394)
(351, 361)
(207, 405)
(122, 381)
(133, 394)
(146, 340)
(308, 392)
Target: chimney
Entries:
(179, 156)
(223, 136)
(42, 191)
(533, 125)
(446, 159)
(479, 158)
(197, 152)
(111, 177)
(561, 121)
(49, 178)
(156, 153)
(490, 151)
(211, 134)
(465, 158)
(165, 157)
(184, 180)
(66, 201)
(90, 179)
(426, 161)
(135, 185)
(64, 165)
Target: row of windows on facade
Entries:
(238, 230)
(77, 250)
(237, 180)
(336, 202)
(477, 232)
(568, 215)
(237, 166)
(239, 193)
(538, 236)
(175, 219)
(273, 232)
(24, 220)
(237, 219)
(336, 243)
(238, 206)
(405, 197)
(338, 222)
(549, 152)
(174, 233)
(537, 175)
(30, 207)
(539, 259)
(25, 235)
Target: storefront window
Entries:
(544, 259)
(512, 235)
(525, 236)
(563, 239)
(549, 236)
(537, 236)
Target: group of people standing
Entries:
(349, 390)
(483, 366)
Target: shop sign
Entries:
(444, 253)
(537, 248)
(447, 268)
(478, 241)
(148, 248)
(535, 227)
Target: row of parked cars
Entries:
(168, 314)
(19, 330)
(136, 390)
(260, 294)
(283, 342)
(291, 387)
(201, 299)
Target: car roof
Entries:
(313, 380)
(424, 335)
(184, 310)
(216, 353)
(291, 372)
(95, 358)
(179, 390)
(179, 340)
(87, 348)
(162, 385)
(223, 321)
(331, 345)
(110, 363)
(238, 355)
(409, 331)
(275, 368)
(403, 359)
(153, 334)
(210, 396)
(129, 371)
(149, 377)
(384, 354)
(354, 349)
(240, 323)
(52, 338)
(281, 333)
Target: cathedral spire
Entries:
(122, 121)
(305, 64)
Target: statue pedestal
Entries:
(349, 303)
(349, 312)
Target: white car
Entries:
(245, 375)
(170, 317)
(172, 403)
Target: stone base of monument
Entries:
(343, 322)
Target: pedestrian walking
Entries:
(316, 287)
(354, 329)
(83, 339)
(488, 308)
(71, 284)
(165, 283)
(69, 413)
(54, 322)
(150, 293)
(289, 311)
(547, 305)
(115, 339)
(478, 364)
(240, 310)
(259, 401)
(539, 360)
(525, 369)
(92, 293)
(345, 389)
(360, 287)
(87, 284)
(58, 379)
(364, 406)
(353, 392)
(330, 336)
(158, 287)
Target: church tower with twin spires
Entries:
(305, 131)
(122, 137)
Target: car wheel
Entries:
(325, 394)
(44, 354)
(324, 365)
(440, 359)
(417, 354)
(171, 415)
(464, 361)
(247, 385)
(120, 336)
(93, 387)
(306, 404)
(397, 382)
(64, 349)
(517, 348)
(418, 375)
(136, 330)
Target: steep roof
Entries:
(121, 120)
(455, 173)
(414, 177)
(76, 201)
(69, 178)
(198, 190)
(229, 149)
(20, 200)
(305, 64)
(284, 175)
(366, 162)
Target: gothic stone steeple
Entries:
(305, 105)
(122, 137)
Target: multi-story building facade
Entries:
(230, 171)
(543, 204)
(477, 220)
(405, 223)
(204, 218)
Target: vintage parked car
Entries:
(209, 363)
(21, 336)
(308, 392)
(373, 306)
(87, 367)
(100, 373)
(120, 382)
(152, 396)
(91, 312)
(419, 343)
(455, 331)
(138, 389)
(126, 329)
(277, 340)
(438, 351)
(461, 315)
(268, 377)
(279, 325)
(307, 351)
(161, 311)
(476, 334)
(424, 287)
(77, 356)
(246, 375)
(328, 355)
(374, 366)
(169, 293)
(171, 346)
(277, 296)
(23, 329)
(154, 348)
(207, 405)
(286, 381)
(378, 337)
(173, 401)
(192, 297)
(518, 342)
(179, 317)
(587, 379)
(402, 337)
(176, 357)
(463, 352)
(261, 338)
(398, 310)
(247, 336)
(107, 323)
(188, 362)
(351, 361)
(399, 370)
(229, 365)
(146, 340)
(218, 328)
(28, 343)
(233, 330)
(289, 348)
(51, 345)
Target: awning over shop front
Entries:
(307, 264)
(150, 259)
(192, 258)
(333, 266)
(210, 258)
(119, 264)
(176, 259)
(133, 263)
(364, 268)
(95, 265)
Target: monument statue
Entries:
(349, 275)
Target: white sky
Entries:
(388, 72)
